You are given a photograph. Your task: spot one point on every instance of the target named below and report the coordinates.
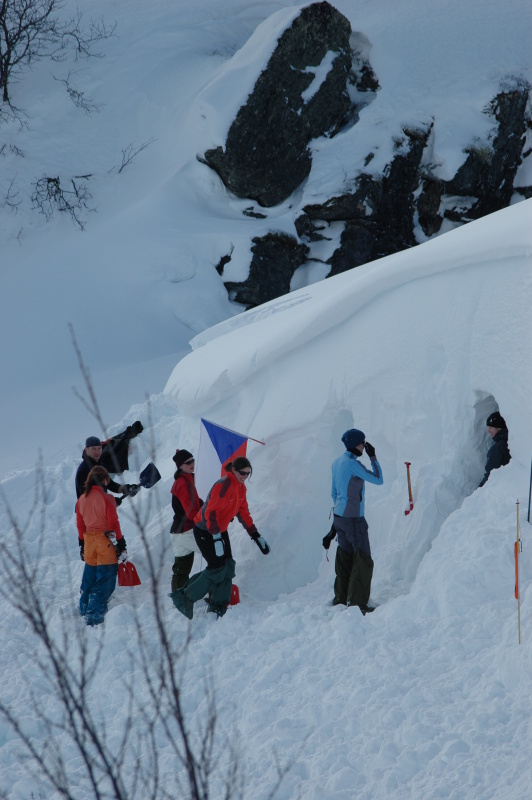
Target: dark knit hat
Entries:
(93, 441)
(495, 420)
(352, 438)
(181, 456)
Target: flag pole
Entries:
(517, 593)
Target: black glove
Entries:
(326, 541)
(137, 428)
(118, 501)
(120, 546)
(131, 489)
(261, 543)
(370, 450)
(81, 549)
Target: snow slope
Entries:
(429, 696)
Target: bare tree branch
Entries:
(78, 97)
(10, 200)
(129, 153)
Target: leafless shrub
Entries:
(31, 30)
(11, 149)
(76, 754)
(49, 196)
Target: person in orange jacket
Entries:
(185, 505)
(101, 544)
(226, 500)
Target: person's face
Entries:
(360, 448)
(493, 431)
(188, 466)
(242, 474)
(94, 452)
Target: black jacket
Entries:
(498, 454)
(83, 472)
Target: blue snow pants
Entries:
(97, 586)
(99, 578)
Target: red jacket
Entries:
(185, 503)
(226, 500)
(96, 511)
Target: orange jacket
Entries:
(226, 500)
(96, 511)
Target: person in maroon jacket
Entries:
(185, 505)
(226, 500)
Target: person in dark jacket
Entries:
(353, 565)
(226, 500)
(498, 454)
(185, 505)
(90, 458)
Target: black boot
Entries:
(181, 571)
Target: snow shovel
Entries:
(149, 476)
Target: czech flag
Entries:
(217, 446)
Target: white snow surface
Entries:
(428, 697)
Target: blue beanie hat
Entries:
(93, 441)
(352, 438)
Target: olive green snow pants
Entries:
(216, 583)
(354, 571)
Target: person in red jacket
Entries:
(100, 545)
(185, 505)
(226, 500)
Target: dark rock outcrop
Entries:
(266, 154)
(276, 257)
(488, 173)
(378, 214)
(267, 157)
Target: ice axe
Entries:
(410, 499)
(149, 476)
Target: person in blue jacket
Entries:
(353, 565)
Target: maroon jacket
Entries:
(185, 503)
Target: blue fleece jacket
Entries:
(348, 476)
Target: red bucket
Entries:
(128, 575)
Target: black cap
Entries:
(495, 420)
(181, 456)
(93, 441)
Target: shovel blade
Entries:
(149, 476)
